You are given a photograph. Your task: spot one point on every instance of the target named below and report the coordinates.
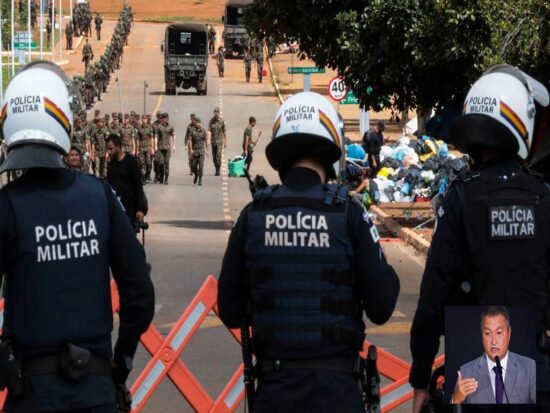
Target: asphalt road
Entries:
(189, 225)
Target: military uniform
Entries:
(155, 125)
(48, 33)
(190, 129)
(145, 145)
(260, 65)
(98, 139)
(98, 22)
(79, 139)
(249, 147)
(69, 35)
(198, 143)
(217, 129)
(164, 135)
(87, 55)
(248, 58)
(220, 61)
(127, 136)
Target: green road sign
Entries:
(350, 99)
(24, 46)
(305, 70)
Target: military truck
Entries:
(235, 36)
(185, 49)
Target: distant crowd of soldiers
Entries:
(96, 77)
(151, 143)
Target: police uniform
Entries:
(164, 136)
(58, 275)
(217, 129)
(490, 246)
(491, 242)
(198, 143)
(309, 261)
(62, 234)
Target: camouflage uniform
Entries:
(145, 144)
(250, 146)
(190, 129)
(217, 129)
(87, 55)
(260, 65)
(198, 139)
(164, 134)
(69, 35)
(79, 138)
(247, 65)
(98, 140)
(127, 135)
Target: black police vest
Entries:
(58, 289)
(299, 264)
(508, 233)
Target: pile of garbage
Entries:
(411, 171)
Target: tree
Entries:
(424, 53)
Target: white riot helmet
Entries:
(306, 126)
(37, 117)
(499, 112)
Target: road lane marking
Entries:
(159, 101)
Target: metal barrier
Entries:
(165, 362)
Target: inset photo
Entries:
(490, 355)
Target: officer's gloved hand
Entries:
(121, 371)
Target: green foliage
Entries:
(424, 53)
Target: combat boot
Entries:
(218, 171)
(166, 179)
(200, 180)
(195, 179)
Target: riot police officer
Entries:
(61, 232)
(306, 260)
(492, 237)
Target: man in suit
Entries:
(483, 381)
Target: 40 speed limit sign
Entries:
(337, 89)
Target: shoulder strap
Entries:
(265, 193)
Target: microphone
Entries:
(499, 372)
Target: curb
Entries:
(406, 234)
(275, 83)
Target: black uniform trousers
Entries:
(308, 390)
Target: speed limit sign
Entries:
(337, 89)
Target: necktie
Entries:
(499, 385)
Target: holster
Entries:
(74, 362)
(11, 376)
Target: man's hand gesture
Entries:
(463, 388)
